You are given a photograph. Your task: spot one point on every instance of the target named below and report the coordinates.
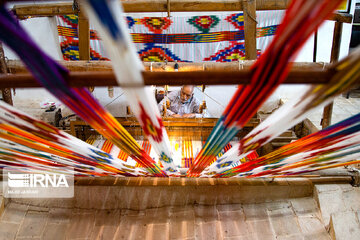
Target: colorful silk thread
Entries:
(53, 77)
(301, 19)
(28, 142)
(339, 143)
(109, 19)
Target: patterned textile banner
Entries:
(216, 37)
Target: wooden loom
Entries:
(211, 74)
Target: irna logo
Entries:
(37, 180)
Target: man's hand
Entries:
(176, 116)
(189, 115)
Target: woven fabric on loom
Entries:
(147, 148)
(216, 37)
(184, 150)
(107, 146)
(122, 155)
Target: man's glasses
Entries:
(185, 94)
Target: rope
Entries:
(168, 8)
(114, 99)
(211, 98)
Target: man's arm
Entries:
(194, 109)
(189, 115)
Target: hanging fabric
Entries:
(216, 37)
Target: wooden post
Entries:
(249, 9)
(6, 92)
(335, 51)
(84, 37)
(84, 40)
(327, 113)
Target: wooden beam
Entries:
(308, 73)
(171, 122)
(335, 51)
(194, 128)
(341, 17)
(249, 8)
(53, 9)
(310, 127)
(43, 10)
(16, 66)
(198, 5)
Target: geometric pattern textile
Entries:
(200, 38)
(232, 53)
(130, 21)
(204, 23)
(184, 150)
(237, 20)
(156, 24)
(215, 37)
(178, 37)
(152, 53)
